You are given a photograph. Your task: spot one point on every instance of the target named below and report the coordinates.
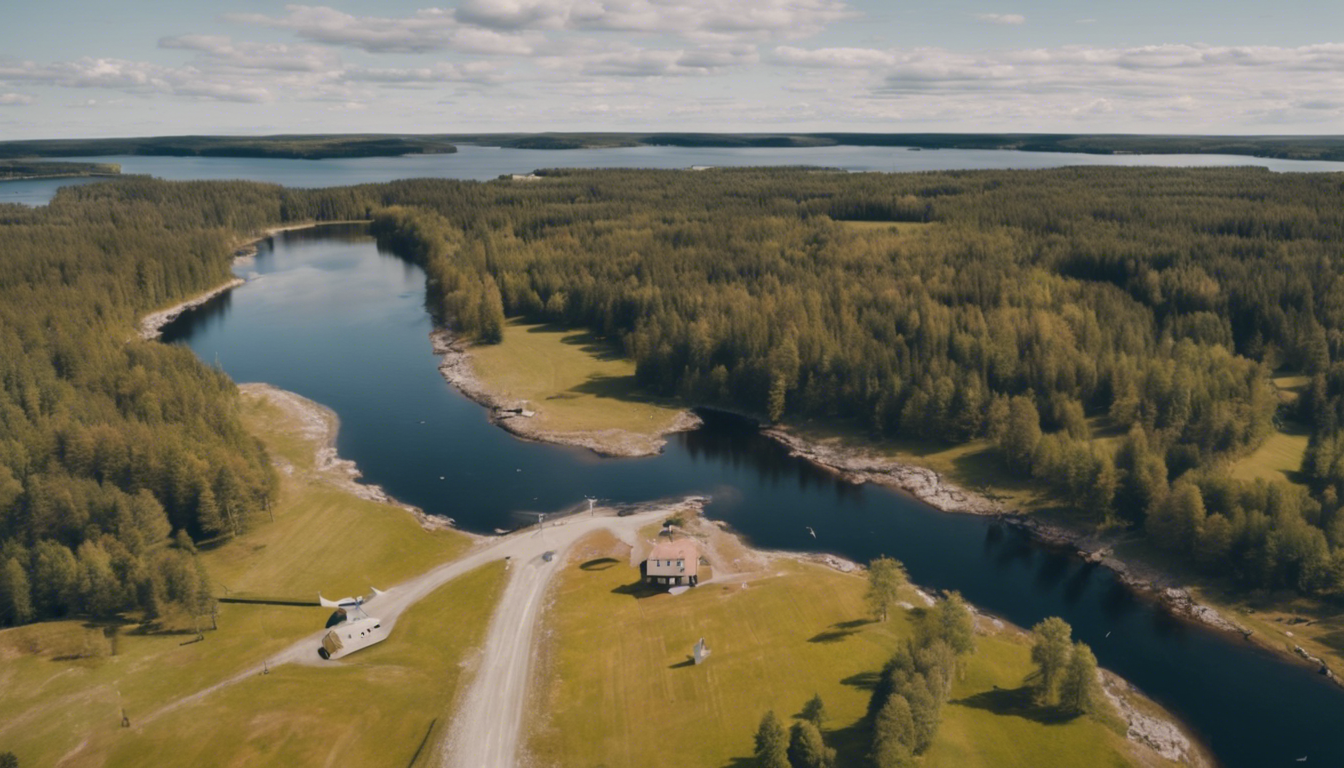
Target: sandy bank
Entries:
(456, 367)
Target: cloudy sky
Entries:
(148, 67)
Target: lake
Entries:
(329, 315)
(483, 163)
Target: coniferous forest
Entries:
(1021, 307)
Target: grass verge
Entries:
(618, 689)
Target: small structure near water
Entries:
(673, 563)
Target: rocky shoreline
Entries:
(515, 417)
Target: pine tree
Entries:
(16, 597)
(807, 749)
(893, 734)
(772, 743)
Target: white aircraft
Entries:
(354, 629)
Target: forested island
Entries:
(42, 169)
(295, 147)
(1112, 331)
(319, 146)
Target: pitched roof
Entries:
(684, 549)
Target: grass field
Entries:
(53, 701)
(574, 380)
(621, 691)
(1279, 458)
(375, 709)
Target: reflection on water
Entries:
(338, 321)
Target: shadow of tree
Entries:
(864, 681)
(1015, 702)
(838, 631)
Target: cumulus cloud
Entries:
(1006, 19)
(15, 100)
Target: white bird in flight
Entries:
(809, 530)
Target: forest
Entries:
(295, 147)
(1026, 308)
(32, 169)
(118, 455)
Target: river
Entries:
(329, 315)
(483, 163)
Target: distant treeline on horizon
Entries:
(320, 146)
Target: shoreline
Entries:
(456, 368)
(321, 425)
(1148, 725)
(923, 484)
(151, 325)
(928, 486)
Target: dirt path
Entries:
(489, 721)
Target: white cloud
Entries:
(270, 56)
(1006, 19)
(15, 100)
(517, 27)
(425, 31)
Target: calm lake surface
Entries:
(330, 316)
(482, 163)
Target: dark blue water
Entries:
(483, 163)
(331, 317)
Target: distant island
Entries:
(314, 147)
(14, 170)
(319, 147)
(1282, 147)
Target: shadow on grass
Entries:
(639, 590)
(611, 388)
(1015, 702)
(864, 681)
(838, 631)
(851, 744)
(688, 662)
(599, 564)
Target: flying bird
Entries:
(809, 530)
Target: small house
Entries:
(673, 563)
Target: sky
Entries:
(86, 68)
